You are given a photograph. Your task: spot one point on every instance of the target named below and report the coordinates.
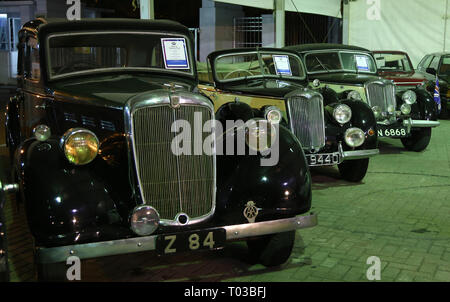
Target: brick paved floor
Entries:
(400, 213)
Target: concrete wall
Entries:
(216, 26)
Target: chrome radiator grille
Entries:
(172, 184)
(307, 120)
(381, 94)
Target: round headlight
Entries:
(376, 111)
(354, 137)
(405, 109)
(354, 95)
(273, 115)
(316, 83)
(42, 132)
(391, 109)
(80, 146)
(409, 97)
(144, 220)
(342, 114)
(260, 134)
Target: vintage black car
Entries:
(92, 133)
(437, 64)
(351, 71)
(332, 130)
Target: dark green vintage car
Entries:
(351, 71)
(93, 131)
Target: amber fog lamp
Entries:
(80, 146)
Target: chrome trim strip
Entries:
(140, 244)
(421, 123)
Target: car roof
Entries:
(46, 26)
(324, 46)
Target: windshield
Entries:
(257, 65)
(335, 61)
(393, 62)
(76, 53)
(444, 70)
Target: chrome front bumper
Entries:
(420, 123)
(357, 154)
(148, 243)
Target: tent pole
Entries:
(147, 9)
(279, 8)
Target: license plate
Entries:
(190, 241)
(324, 159)
(396, 131)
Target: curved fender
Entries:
(362, 117)
(61, 200)
(425, 108)
(281, 190)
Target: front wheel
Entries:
(272, 250)
(418, 141)
(354, 170)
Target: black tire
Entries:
(272, 250)
(418, 141)
(354, 170)
(4, 267)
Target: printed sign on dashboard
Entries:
(175, 53)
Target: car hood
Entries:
(344, 78)
(112, 91)
(265, 87)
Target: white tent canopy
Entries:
(330, 8)
(418, 27)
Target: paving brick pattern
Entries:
(400, 213)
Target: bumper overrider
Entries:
(148, 243)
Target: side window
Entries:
(33, 65)
(434, 63)
(425, 63)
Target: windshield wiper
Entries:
(323, 66)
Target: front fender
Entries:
(425, 108)
(57, 209)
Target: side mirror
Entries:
(431, 71)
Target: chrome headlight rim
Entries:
(147, 227)
(342, 108)
(348, 137)
(73, 131)
(250, 128)
(405, 109)
(269, 111)
(354, 95)
(409, 97)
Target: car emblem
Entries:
(174, 101)
(250, 211)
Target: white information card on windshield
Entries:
(362, 63)
(282, 65)
(175, 53)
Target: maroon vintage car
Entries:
(397, 66)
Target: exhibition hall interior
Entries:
(252, 143)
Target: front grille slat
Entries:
(381, 94)
(307, 121)
(172, 184)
